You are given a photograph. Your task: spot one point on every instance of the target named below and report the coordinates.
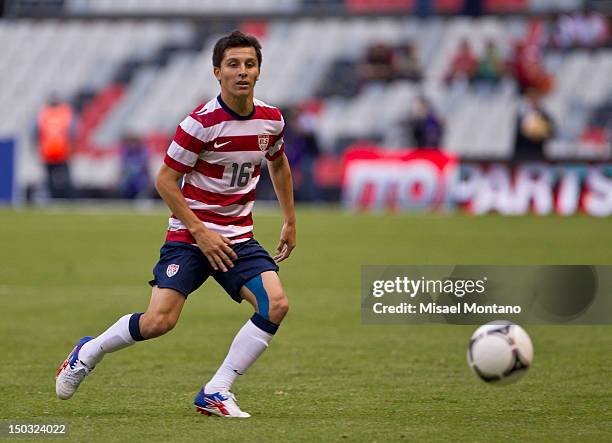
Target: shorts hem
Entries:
(153, 283)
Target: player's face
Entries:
(239, 71)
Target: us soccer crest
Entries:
(264, 141)
(172, 269)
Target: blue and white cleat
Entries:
(71, 373)
(221, 404)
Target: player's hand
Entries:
(216, 249)
(286, 243)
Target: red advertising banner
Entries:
(376, 179)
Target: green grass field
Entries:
(325, 377)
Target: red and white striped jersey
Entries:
(220, 153)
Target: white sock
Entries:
(248, 345)
(114, 338)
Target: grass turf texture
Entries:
(325, 376)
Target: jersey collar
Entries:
(232, 113)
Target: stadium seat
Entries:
(165, 68)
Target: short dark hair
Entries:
(236, 39)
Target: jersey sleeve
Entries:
(188, 142)
(278, 148)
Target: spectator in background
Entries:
(406, 63)
(534, 127)
(378, 64)
(463, 65)
(491, 66)
(55, 134)
(303, 150)
(591, 29)
(564, 32)
(587, 29)
(527, 69)
(425, 126)
(135, 180)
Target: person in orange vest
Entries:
(55, 128)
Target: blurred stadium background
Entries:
(361, 83)
(385, 114)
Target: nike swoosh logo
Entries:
(237, 372)
(218, 145)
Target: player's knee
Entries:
(156, 325)
(279, 306)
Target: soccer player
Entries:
(217, 152)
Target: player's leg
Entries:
(160, 317)
(265, 292)
(162, 314)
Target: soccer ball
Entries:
(500, 352)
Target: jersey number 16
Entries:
(241, 174)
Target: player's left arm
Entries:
(280, 173)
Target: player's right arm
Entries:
(214, 246)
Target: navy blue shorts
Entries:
(183, 267)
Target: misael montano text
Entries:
(435, 288)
